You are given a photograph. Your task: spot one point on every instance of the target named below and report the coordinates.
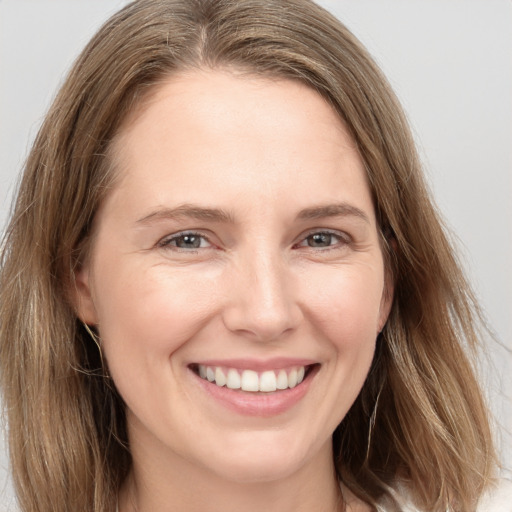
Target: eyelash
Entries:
(172, 240)
(341, 239)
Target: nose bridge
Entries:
(263, 304)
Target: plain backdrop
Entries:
(450, 63)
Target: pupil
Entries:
(189, 241)
(320, 240)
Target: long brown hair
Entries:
(420, 418)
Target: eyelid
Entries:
(343, 236)
(166, 240)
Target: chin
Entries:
(261, 458)
(257, 471)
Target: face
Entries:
(236, 277)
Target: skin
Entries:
(268, 154)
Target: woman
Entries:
(224, 284)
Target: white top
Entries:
(498, 499)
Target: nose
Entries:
(262, 302)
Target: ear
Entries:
(82, 297)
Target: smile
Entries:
(251, 380)
(256, 388)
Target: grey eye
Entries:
(320, 240)
(188, 241)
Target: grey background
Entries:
(450, 63)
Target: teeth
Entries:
(292, 378)
(300, 374)
(282, 380)
(268, 381)
(252, 381)
(233, 380)
(220, 378)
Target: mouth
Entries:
(253, 381)
(255, 387)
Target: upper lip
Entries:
(261, 365)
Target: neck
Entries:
(168, 483)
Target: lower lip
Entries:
(258, 404)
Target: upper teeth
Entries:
(250, 380)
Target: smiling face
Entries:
(239, 249)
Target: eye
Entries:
(320, 240)
(186, 241)
(323, 239)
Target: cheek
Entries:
(347, 305)
(145, 315)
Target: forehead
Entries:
(211, 133)
(227, 98)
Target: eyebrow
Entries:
(219, 215)
(333, 210)
(187, 210)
